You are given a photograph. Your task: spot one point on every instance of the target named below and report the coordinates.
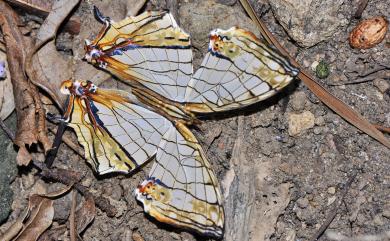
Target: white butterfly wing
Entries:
(238, 70)
(149, 49)
(181, 189)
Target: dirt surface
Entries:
(277, 184)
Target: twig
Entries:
(72, 225)
(68, 177)
(361, 7)
(335, 207)
(7, 131)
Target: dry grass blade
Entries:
(72, 222)
(324, 95)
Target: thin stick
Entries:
(72, 225)
(68, 177)
(7, 131)
(335, 207)
(362, 6)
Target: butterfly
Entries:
(121, 131)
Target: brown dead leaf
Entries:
(42, 8)
(36, 219)
(44, 65)
(34, 222)
(85, 214)
(25, 104)
(53, 234)
(323, 94)
(7, 104)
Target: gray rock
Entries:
(8, 170)
(311, 21)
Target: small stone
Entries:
(298, 101)
(382, 85)
(314, 65)
(87, 182)
(303, 202)
(317, 130)
(378, 220)
(297, 123)
(289, 235)
(332, 190)
(331, 200)
(319, 121)
(386, 213)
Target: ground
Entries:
(277, 185)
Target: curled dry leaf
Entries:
(45, 66)
(39, 217)
(7, 104)
(26, 105)
(36, 219)
(369, 33)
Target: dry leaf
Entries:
(7, 104)
(53, 233)
(40, 215)
(85, 214)
(50, 68)
(42, 8)
(36, 219)
(25, 104)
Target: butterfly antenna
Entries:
(99, 16)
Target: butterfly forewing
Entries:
(125, 135)
(150, 49)
(238, 70)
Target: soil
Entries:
(276, 186)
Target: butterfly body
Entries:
(121, 131)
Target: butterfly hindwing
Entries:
(182, 189)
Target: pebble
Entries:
(331, 200)
(297, 123)
(382, 85)
(298, 101)
(303, 202)
(319, 121)
(332, 190)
